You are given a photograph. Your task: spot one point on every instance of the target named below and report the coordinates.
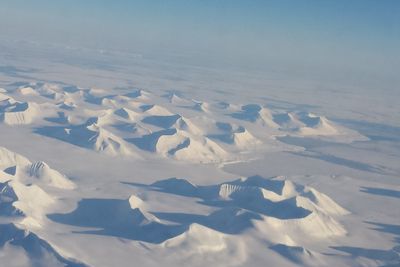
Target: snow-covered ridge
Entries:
(22, 186)
(168, 125)
(24, 204)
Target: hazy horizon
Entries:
(336, 36)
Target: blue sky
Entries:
(337, 33)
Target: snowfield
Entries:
(100, 167)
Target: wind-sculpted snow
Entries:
(277, 202)
(15, 167)
(111, 123)
(32, 250)
(249, 204)
(109, 204)
(22, 186)
(13, 112)
(119, 218)
(89, 135)
(24, 204)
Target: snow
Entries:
(111, 168)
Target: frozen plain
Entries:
(109, 159)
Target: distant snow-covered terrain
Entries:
(109, 167)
